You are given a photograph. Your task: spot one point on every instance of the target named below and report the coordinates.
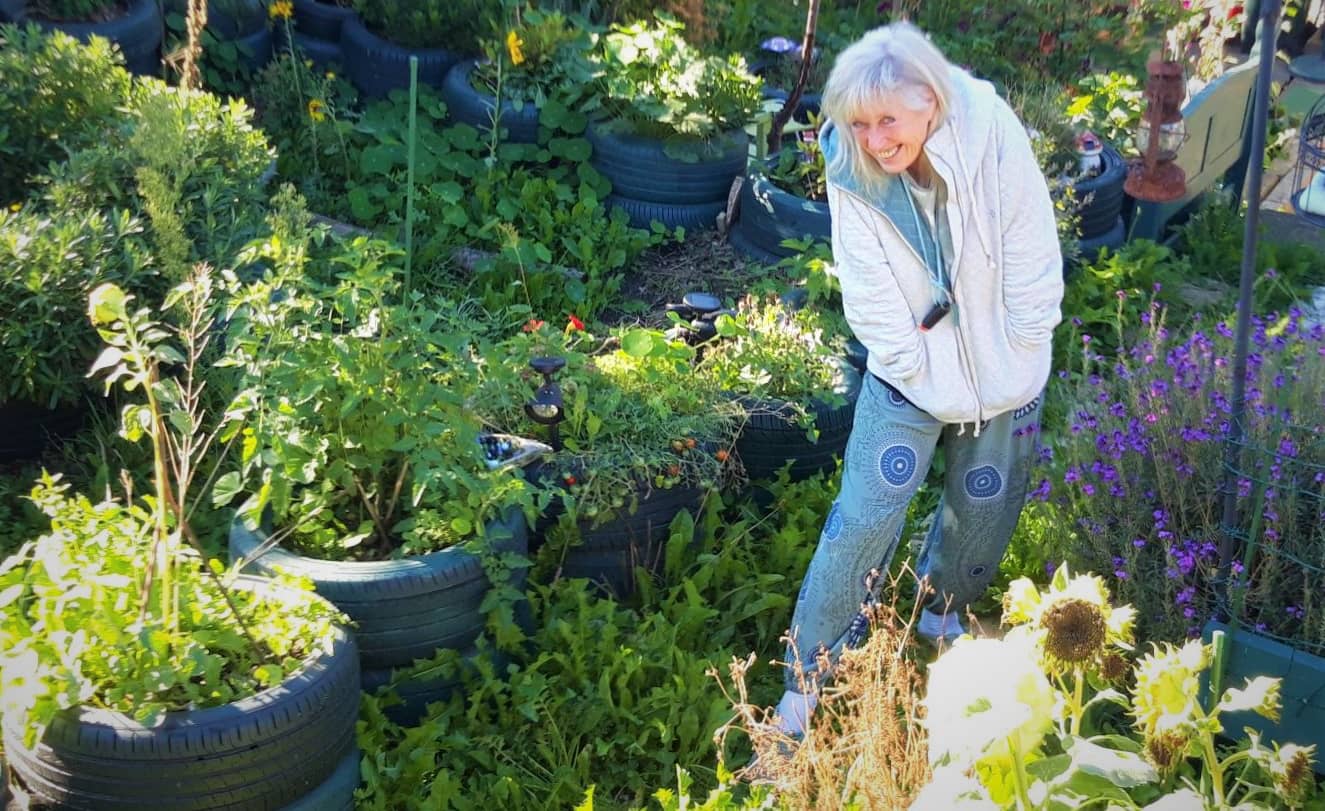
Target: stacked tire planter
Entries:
(317, 31)
(403, 609)
(1101, 216)
(289, 747)
(138, 32)
(377, 66)
(648, 184)
(768, 215)
(250, 35)
(609, 552)
(466, 105)
(771, 438)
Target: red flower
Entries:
(1234, 11)
(1048, 41)
(532, 325)
(575, 323)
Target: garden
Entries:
(437, 403)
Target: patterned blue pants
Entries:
(891, 445)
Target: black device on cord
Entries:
(935, 315)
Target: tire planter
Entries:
(649, 184)
(138, 32)
(403, 609)
(417, 694)
(469, 106)
(377, 66)
(318, 20)
(1100, 213)
(271, 750)
(251, 35)
(771, 438)
(1112, 239)
(768, 215)
(320, 52)
(608, 554)
(27, 429)
(748, 249)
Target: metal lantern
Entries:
(547, 407)
(1308, 179)
(1156, 178)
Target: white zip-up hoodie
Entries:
(992, 353)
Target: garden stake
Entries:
(1233, 443)
(409, 190)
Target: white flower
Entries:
(951, 789)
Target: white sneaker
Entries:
(939, 629)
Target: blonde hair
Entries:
(894, 60)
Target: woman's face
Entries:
(892, 132)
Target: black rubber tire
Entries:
(468, 106)
(1106, 190)
(770, 438)
(416, 695)
(768, 215)
(403, 609)
(262, 752)
(26, 429)
(138, 32)
(810, 103)
(736, 238)
(639, 168)
(323, 21)
(857, 355)
(336, 792)
(323, 53)
(377, 66)
(609, 553)
(1112, 239)
(259, 47)
(691, 216)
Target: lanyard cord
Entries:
(937, 276)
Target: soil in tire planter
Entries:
(265, 751)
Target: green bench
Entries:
(1216, 150)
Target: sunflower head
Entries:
(1167, 688)
(1114, 667)
(1290, 768)
(1074, 630)
(1166, 751)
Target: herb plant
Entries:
(799, 168)
(545, 55)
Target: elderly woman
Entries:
(946, 248)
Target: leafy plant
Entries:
(544, 55)
(770, 351)
(49, 264)
(799, 169)
(452, 24)
(654, 83)
(121, 573)
(56, 95)
(780, 61)
(362, 446)
(1110, 105)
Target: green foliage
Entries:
(606, 698)
(48, 266)
(303, 113)
(188, 160)
(226, 65)
(655, 83)
(74, 10)
(1109, 104)
(634, 417)
(1212, 239)
(769, 351)
(452, 24)
(362, 446)
(799, 169)
(553, 62)
(56, 95)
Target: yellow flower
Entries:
(331, 74)
(281, 9)
(317, 110)
(15, 206)
(1071, 612)
(1168, 684)
(513, 45)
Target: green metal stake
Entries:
(409, 191)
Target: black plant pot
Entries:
(138, 32)
(377, 66)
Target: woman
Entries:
(947, 252)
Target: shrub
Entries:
(56, 96)
(48, 266)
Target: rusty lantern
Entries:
(1156, 178)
